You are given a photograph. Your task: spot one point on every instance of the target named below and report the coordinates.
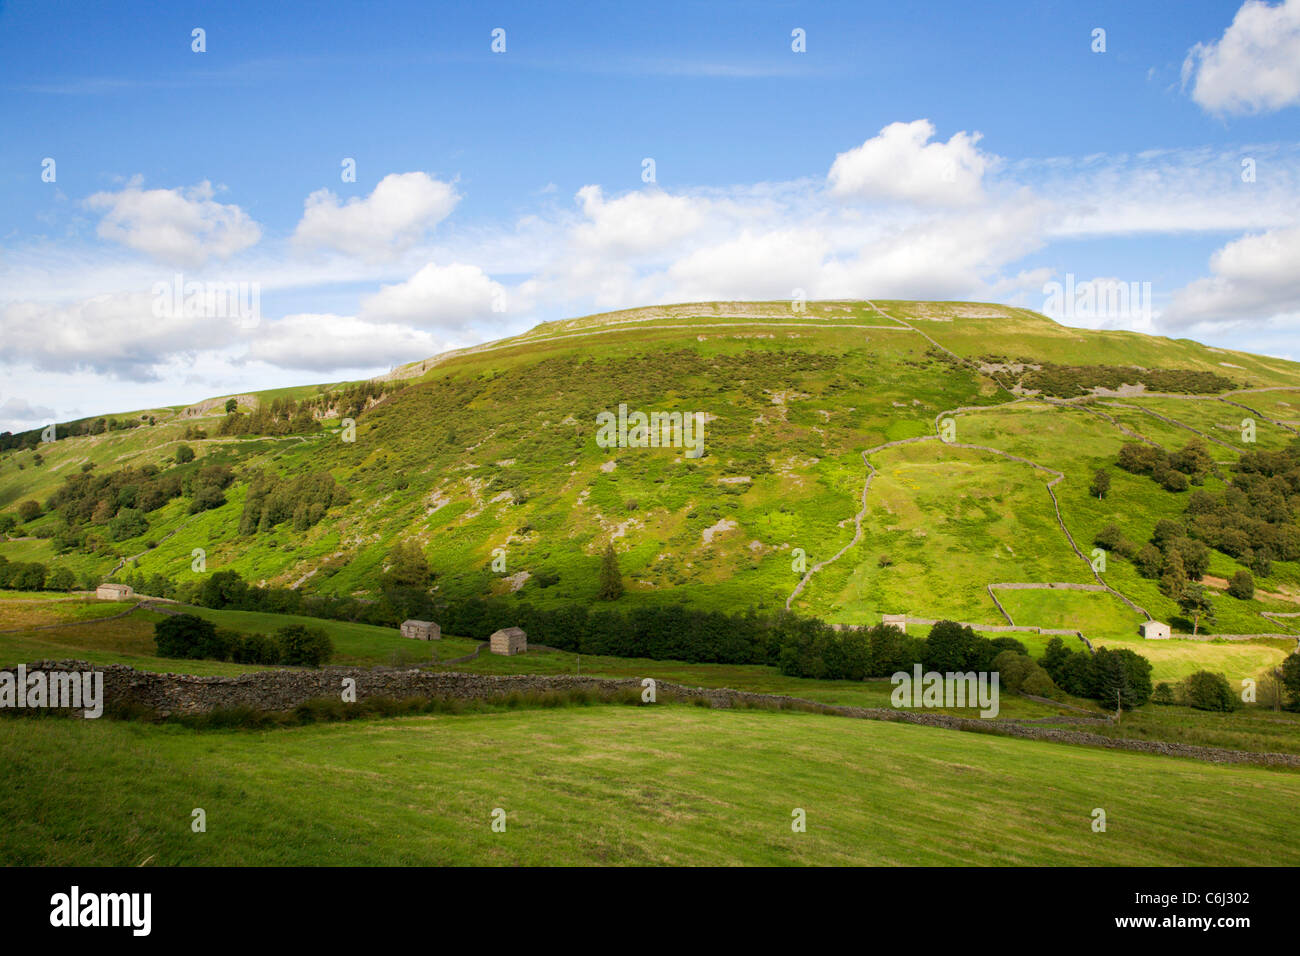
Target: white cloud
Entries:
(1254, 67)
(902, 164)
(1254, 277)
(327, 342)
(637, 222)
(398, 213)
(113, 334)
(176, 226)
(768, 265)
(436, 297)
(945, 257)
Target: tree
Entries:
(29, 510)
(183, 635)
(206, 497)
(1173, 575)
(1272, 688)
(304, 646)
(1148, 560)
(231, 405)
(1122, 678)
(611, 580)
(1109, 537)
(29, 576)
(1291, 677)
(1242, 586)
(61, 579)
(407, 568)
(1100, 483)
(1054, 657)
(1166, 532)
(7, 523)
(184, 454)
(1195, 602)
(952, 647)
(1209, 691)
(223, 589)
(1173, 480)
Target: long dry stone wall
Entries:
(281, 690)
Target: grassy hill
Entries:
(665, 784)
(490, 452)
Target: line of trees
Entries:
(191, 637)
(1119, 678)
(34, 576)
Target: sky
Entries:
(202, 199)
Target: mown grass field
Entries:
(1174, 659)
(662, 784)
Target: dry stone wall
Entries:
(280, 690)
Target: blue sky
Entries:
(928, 150)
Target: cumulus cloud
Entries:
(902, 164)
(327, 342)
(765, 265)
(114, 334)
(944, 257)
(437, 297)
(177, 226)
(637, 222)
(1254, 67)
(1254, 277)
(398, 213)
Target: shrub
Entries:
(1242, 586)
(256, 649)
(1012, 670)
(1149, 561)
(1173, 480)
(206, 498)
(184, 636)
(61, 579)
(1010, 644)
(29, 511)
(184, 454)
(1163, 694)
(304, 646)
(1100, 483)
(1205, 690)
(1038, 683)
(1108, 537)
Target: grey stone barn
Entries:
(508, 640)
(1154, 630)
(114, 592)
(421, 630)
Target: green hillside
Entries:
(491, 453)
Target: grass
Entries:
(655, 785)
(1174, 659)
(505, 458)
